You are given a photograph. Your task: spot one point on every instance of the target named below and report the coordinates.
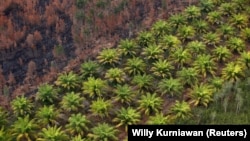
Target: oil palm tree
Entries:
(68, 81)
(77, 124)
(162, 68)
(239, 20)
(158, 119)
(236, 44)
(160, 28)
(94, 87)
(109, 56)
(143, 82)
(115, 75)
(100, 107)
(4, 135)
(214, 17)
(47, 115)
(245, 58)
(226, 31)
(206, 5)
(196, 47)
(135, 66)
(211, 39)
(127, 116)
(21, 106)
(204, 64)
(145, 38)
(192, 12)
(3, 116)
(245, 34)
(186, 32)
(128, 47)
(176, 20)
(233, 72)
(227, 8)
(152, 52)
(201, 26)
(124, 93)
(72, 101)
(201, 94)
(170, 42)
(53, 133)
(24, 129)
(181, 110)
(188, 76)
(89, 69)
(47, 94)
(150, 103)
(221, 54)
(171, 86)
(181, 57)
(217, 83)
(103, 132)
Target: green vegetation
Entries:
(190, 68)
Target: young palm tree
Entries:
(204, 64)
(152, 52)
(4, 135)
(176, 20)
(186, 32)
(160, 28)
(143, 82)
(3, 117)
(196, 47)
(245, 34)
(115, 75)
(188, 76)
(239, 20)
(217, 83)
(172, 87)
(162, 68)
(127, 116)
(135, 66)
(233, 72)
(128, 47)
(221, 54)
(145, 38)
(211, 39)
(124, 94)
(226, 31)
(192, 12)
(52, 133)
(94, 87)
(68, 81)
(245, 58)
(227, 8)
(170, 42)
(21, 106)
(72, 101)
(47, 115)
(77, 124)
(23, 129)
(109, 56)
(181, 57)
(206, 5)
(236, 44)
(47, 94)
(89, 69)
(181, 110)
(158, 119)
(214, 17)
(150, 103)
(201, 26)
(201, 94)
(100, 107)
(103, 132)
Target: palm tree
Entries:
(135, 66)
(103, 132)
(233, 72)
(3, 117)
(23, 129)
(171, 86)
(196, 47)
(21, 106)
(214, 17)
(72, 101)
(201, 94)
(226, 31)
(217, 83)
(181, 57)
(158, 119)
(192, 12)
(52, 133)
(245, 58)
(201, 26)
(128, 47)
(211, 38)
(162, 68)
(240, 5)
(152, 52)
(176, 20)
(47, 115)
(181, 110)
(160, 28)
(124, 94)
(94, 87)
(100, 107)
(127, 116)
(115, 75)
(245, 34)
(68, 81)
(239, 20)
(4, 135)
(170, 42)
(143, 82)
(77, 124)
(221, 54)
(109, 56)
(227, 8)
(150, 103)
(89, 69)
(206, 5)
(47, 94)
(188, 76)
(186, 32)
(145, 38)
(236, 44)
(205, 64)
